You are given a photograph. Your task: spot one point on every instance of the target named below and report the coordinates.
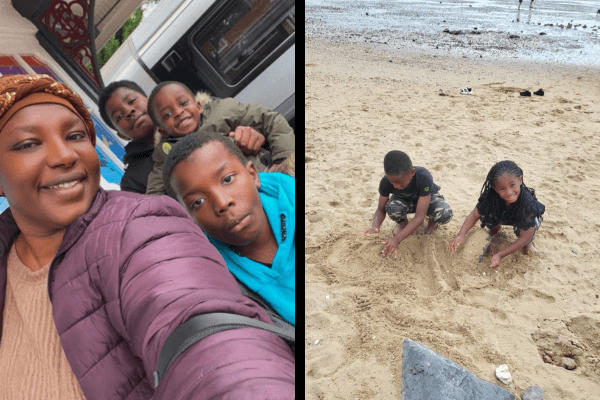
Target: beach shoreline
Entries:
(363, 100)
(545, 33)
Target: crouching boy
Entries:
(412, 190)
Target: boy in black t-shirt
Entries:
(413, 191)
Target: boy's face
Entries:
(177, 111)
(49, 169)
(221, 194)
(127, 111)
(508, 188)
(401, 181)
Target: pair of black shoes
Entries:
(527, 93)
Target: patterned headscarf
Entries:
(19, 91)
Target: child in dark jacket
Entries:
(177, 113)
(248, 216)
(122, 106)
(505, 200)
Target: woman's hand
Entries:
(457, 241)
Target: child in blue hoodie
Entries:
(248, 216)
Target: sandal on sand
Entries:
(526, 93)
(539, 92)
(466, 91)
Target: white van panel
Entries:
(156, 46)
(157, 19)
(282, 72)
(166, 24)
(123, 65)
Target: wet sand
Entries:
(557, 30)
(529, 312)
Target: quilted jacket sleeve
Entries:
(169, 272)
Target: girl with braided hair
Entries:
(505, 200)
(93, 282)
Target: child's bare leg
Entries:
(399, 227)
(431, 226)
(525, 250)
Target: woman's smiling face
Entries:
(49, 169)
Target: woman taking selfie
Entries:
(92, 282)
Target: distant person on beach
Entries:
(413, 191)
(505, 200)
(521, 1)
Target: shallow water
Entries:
(500, 17)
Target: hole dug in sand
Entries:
(577, 339)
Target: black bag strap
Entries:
(201, 326)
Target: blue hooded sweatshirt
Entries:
(276, 285)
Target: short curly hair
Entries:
(109, 90)
(397, 163)
(186, 145)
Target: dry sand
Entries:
(529, 312)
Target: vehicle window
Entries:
(242, 34)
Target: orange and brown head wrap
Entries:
(19, 91)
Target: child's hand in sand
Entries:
(495, 261)
(370, 231)
(391, 246)
(457, 240)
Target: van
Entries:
(230, 48)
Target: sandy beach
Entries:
(363, 101)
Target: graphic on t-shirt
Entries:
(420, 185)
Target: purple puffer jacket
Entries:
(126, 275)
